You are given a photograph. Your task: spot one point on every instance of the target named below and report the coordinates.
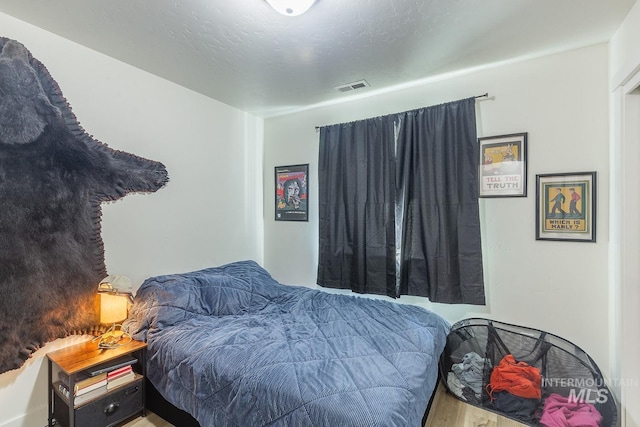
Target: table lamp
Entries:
(113, 309)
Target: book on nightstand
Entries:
(84, 383)
(119, 372)
(120, 380)
(82, 398)
(79, 391)
(107, 367)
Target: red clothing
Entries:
(517, 378)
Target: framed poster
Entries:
(566, 207)
(503, 166)
(292, 193)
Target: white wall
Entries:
(562, 102)
(209, 213)
(625, 232)
(625, 50)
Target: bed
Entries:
(231, 346)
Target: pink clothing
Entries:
(560, 412)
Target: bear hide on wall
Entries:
(53, 177)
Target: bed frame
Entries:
(165, 410)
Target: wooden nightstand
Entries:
(106, 409)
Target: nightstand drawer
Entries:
(106, 411)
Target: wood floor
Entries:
(151, 420)
(446, 411)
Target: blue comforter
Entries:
(233, 347)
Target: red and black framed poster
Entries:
(292, 192)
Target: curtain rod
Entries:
(484, 95)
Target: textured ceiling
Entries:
(244, 54)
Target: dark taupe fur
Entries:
(53, 177)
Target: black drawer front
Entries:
(104, 412)
(112, 408)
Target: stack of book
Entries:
(98, 380)
(120, 376)
(85, 388)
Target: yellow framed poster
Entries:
(502, 166)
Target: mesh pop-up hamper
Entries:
(528, 375)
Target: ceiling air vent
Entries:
(352, 86)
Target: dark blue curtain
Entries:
(356, 206)
(437, 198)
(398, 205)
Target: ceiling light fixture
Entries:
(291, 7)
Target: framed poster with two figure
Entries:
(566, 207)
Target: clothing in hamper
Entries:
(566, 369)
(469, 372)
(516, 407)
(518, 378)
(560, 411)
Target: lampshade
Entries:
(291, 7)
(113, 307)
(114, 295)
(117, 283)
